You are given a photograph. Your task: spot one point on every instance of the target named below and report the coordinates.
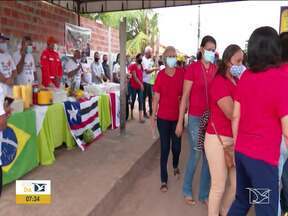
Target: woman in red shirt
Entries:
(219, 130)
(260, 116)
(194, 96)
(166, 103)
(137, 87)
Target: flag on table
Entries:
(20, 133)
(83, 115)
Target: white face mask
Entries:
(3, 47)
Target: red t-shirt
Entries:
(220, 88)
(139, 74)
(264, 101)
(170, 90)
(195, 73)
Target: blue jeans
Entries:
(134, 93)
(194, 157)
(255, 175)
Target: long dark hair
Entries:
(227, 55)
(284, 45)
(204, 41)
(137, 57)
(264, 49)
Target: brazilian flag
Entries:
(22, 131)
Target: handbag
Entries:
(203, 119)
(228, 150)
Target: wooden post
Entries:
(123, 82)
(78, 11)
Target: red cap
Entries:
(51, 40)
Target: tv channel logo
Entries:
(259, 196)
(33, 192)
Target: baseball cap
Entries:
(4, 37)
(51, 40)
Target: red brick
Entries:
(7, 12)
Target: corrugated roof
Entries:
(98, 6)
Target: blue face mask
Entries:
(171, 62)
(237, 70)
(209, 56)
(29, 49)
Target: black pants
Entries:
(139, 93)
(167, 134)
(147, 93)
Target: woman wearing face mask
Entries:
(194, 91)
(219, 131)
(137, 87)
(166, 102)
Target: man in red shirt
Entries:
(51, 65)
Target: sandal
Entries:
(142, 121)
(177, 172)
(189, 201)
(205, 202)
(163, 188)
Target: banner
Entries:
(77, 37)
(21, 129)
(284, 19)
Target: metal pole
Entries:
(78, 12)
(123, 84)
(199, 22)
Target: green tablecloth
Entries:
(23, 125)
(104, 112)
(54, 132)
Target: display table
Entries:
(42, 130)
(23, 125)
(53, 133)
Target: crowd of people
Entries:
(237, 111)
(237, 123)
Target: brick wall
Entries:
(40, 19)
(100, 36)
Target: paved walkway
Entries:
(116, 172)
(87, 183)
(144, 198)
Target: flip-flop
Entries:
(189, 201)
(163, 188)
(177, 173)
(205, 202)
